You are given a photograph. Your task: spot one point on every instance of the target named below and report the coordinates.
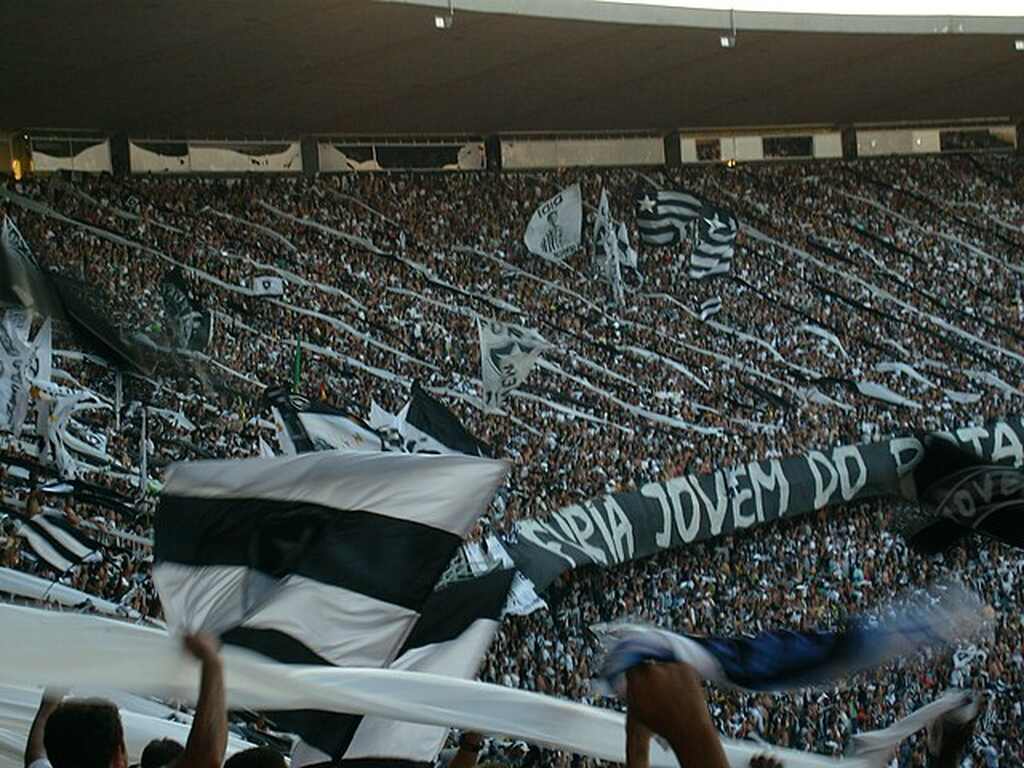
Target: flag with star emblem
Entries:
(662, 215)
(716, 240)
(507, 354)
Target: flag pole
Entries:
(297, 366)
(142, 455)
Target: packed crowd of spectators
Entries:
(386, 273)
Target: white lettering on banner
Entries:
(577, 524)
(822, 492)
(1006, 445)
(602, 521)
(688, 532)
(740, 519)
(717, 510)
(656, 491)
(760, 482)
(973, 435)
(622, 530)
(902, 445)
(839, 457)
(537, 533)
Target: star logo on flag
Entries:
(714, 223)
(647, 204)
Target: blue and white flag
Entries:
(784, 660)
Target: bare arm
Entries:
(469, 751)
(208, 738)
(34, 747)
(638, 743)
(668, 699)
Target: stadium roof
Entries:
(266, 67)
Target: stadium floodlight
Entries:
(446, 22)
(729, 41)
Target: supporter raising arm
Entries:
(208, 738)
(35, 749)
(87, 733)
(667, 700)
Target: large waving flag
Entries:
(451, 637)
(324, 558)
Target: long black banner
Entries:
(620, 527)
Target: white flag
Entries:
(268, 286)
(555, 230)
(627, 253)
(606, 247)
(507, 353)
(21, 363)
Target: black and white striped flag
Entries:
(305, 425)
(54, 540)
(716, 240)
(710, 308)
(428, 426)
(451, 637)
(324, 558)
(662, 215)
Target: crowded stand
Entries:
(903, 273)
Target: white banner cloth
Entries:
(43, 648)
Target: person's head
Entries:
(85, 733)
(257, 757)
(160, 752)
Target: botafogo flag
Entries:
(55, 541)
(23, 282)
(190, 324)
(428, 426)
(324, 558)
(606, 247)
(305, 425)
(21, 364)
(627, 253)
(662, 215)
(451, 636)
(716, 242)
(556, 228)
(507, 354)
(710, 308)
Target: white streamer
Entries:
(34, 650)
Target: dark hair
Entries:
(83, 733)
(257, 757)
(160, 752)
